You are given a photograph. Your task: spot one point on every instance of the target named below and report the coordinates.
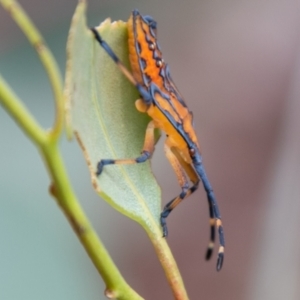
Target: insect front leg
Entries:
(147, 151)
(184, 184)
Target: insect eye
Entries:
(159, 62)
(192, 152)
(152, 46)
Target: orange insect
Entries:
(161, 100)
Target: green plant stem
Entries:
(116, 286)
(45, 55)
(18, 111)
(169, 265)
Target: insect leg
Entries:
(212, 199)
(147, 151)
(183, 182)
(143, 92)
(195, 179)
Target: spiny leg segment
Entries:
(217, 216)
(212, 223)
(184, 184)
(186, 191)
(181, 168)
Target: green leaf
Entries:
(101, 113)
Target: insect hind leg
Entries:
(215, 211)
(212, 223)
(194, 177)
(186, 191)
(179, 168)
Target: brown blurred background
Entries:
(237, 63)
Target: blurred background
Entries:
(237, 63)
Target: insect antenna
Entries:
(114, 57)
(143, 92)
